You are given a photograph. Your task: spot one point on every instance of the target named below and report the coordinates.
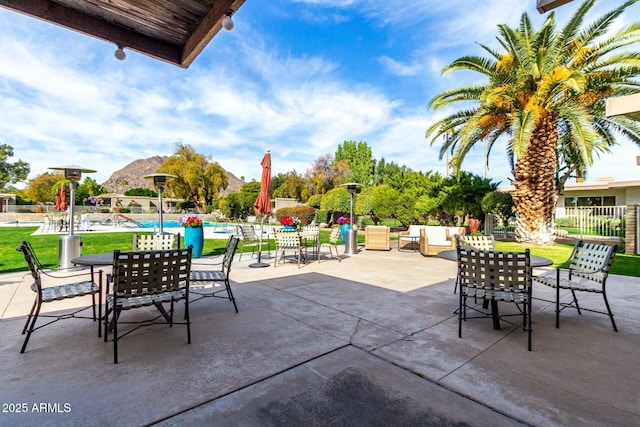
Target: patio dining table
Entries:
(536, 261)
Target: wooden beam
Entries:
(55, 13)
(208, 28)
(623, 105)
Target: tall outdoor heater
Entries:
(351, 245)
(70, 246)
(160, 181)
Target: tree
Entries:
(500, 204)
(360, 160)
(384, 201)
(11, 173)
(336, 201)
(545, 93)
(89, 188)
(199, 180)
(326, 174)
(146, 192)
(42, 188)
(292, 186)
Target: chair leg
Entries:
(26, 324)
(528, 321)
(115, 337)
(31, 326)
(230, 294)
(557, 306)
(606, 303)
(575, 301)
(188, 319)
(460, 302)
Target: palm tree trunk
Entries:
(535, 195)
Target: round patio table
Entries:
(536, 261)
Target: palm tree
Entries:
(546, 95)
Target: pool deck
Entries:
(371, 339)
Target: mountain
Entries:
(131, 176)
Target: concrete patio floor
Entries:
(370, 340)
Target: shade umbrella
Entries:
(262, 205)
(63, 197)
(57, 205)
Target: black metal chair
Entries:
(495, 276)
(146, 278)
(202, 279)
(588, 271)
(57, 293)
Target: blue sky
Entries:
(297, 77)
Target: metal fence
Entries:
(578, 222)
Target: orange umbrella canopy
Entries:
(57, 205)
(63, 197)
(263, 202)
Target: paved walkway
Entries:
(370, 340)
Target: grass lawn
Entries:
(46, 248)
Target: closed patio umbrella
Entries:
(63, 198)
(262, 205)
(57, 205)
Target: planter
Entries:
(343, 232)
(194, 236)
(289, 227)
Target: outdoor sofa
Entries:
(436, 238)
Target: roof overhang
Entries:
(547, 5)
(175, 31)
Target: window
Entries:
(572, 202)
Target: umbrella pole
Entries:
(260, 264)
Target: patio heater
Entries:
(160, 181)
(70, 246)
(351, 245)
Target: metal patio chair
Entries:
(156, 242)
(288, 241)
(334, 236)
(588, 271)
(495, 276)
(201, 279)
(70, 289)
(146, 278)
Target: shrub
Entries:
(322, 217)
(303, 212)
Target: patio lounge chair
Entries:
(55, 293)
(146, 278)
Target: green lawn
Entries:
(46, 248)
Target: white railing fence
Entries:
(579, 222)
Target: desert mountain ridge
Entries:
(131, 176)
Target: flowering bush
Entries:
(190, 221)
(289, 220)
(344, 220)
